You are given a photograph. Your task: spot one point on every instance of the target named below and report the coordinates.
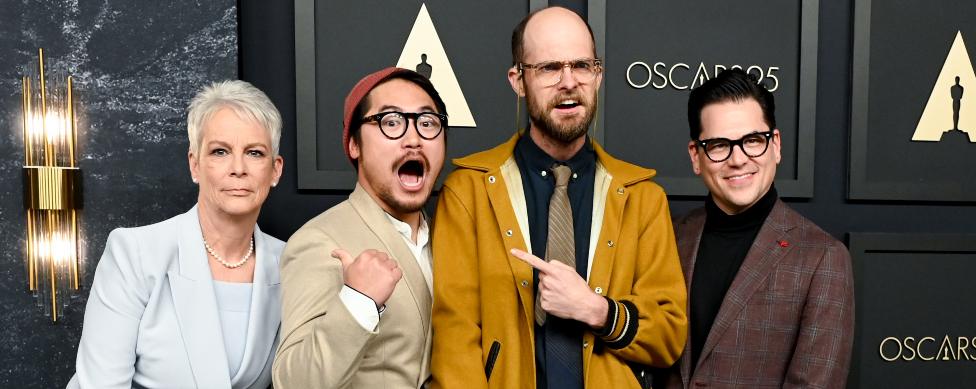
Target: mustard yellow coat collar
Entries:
(492, 159)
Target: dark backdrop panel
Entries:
(902, 48)
(353, 38)
(914, 327)
(656, 51)
(135, 66)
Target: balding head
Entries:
(551, 31)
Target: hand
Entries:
(564, 293)
(372, 273)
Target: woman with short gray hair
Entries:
(194, 301)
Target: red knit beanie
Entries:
(358, 92)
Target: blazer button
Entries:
(491, 179)
(609, 243)
(586, 344)
(598, 290)
(525, 283)
(508, 232)
(620, 191)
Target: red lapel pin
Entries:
(783, 243)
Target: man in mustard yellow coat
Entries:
(604, 315)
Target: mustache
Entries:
(574, 95)
(412, 155)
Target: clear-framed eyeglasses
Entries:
(393, 124)
(549, 73)
(720, 149)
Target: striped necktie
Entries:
(560, 245)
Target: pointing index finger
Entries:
(532, 260)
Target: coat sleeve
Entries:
(456, 315)
(322, 344)
(822, 355)
(119, 294)
(649, 326)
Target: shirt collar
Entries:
(423, 234)
(537, 160)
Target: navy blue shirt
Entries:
(538, 187)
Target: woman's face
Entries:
(236, 165)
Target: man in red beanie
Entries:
(356, 280)
(609, 298)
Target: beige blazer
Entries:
(322, 345)
(152, 319)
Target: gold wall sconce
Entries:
(52, 189)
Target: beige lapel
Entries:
(507, 198)
(375, 219)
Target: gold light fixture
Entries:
(52, 189)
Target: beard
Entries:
(568, 130)
(399, 207)
(385, 192)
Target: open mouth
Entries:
(568, 104)
(411, 173)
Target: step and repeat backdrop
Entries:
(464, 47)
(911, 130)
(912, 125)
(913, 137)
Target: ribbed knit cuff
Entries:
(621, 326)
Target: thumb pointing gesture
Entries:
(344, 257)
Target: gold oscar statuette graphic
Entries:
(952, 105)
(424, 53)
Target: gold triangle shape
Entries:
(949, 102)
(424, 53)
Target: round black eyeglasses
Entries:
(393, 124)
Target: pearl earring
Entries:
(274, 184)
(194, 180)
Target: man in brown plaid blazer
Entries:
(771, 300)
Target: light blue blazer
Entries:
(152, 318)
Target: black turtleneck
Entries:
(725, 241)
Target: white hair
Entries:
(247, 102)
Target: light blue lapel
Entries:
(196, 307)
(265, 316)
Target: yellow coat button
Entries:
(620, 191)
(586, 344)
(609, 243)
(598, 290)
(508, 232)
(491, 179)
(525, 283)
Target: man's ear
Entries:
(695, 160)
(776, 145)
(518, 82)
(354, 151)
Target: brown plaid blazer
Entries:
(786, 321)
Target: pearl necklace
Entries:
(226, 264)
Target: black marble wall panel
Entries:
(136, 65)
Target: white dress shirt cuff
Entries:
(361, 307)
